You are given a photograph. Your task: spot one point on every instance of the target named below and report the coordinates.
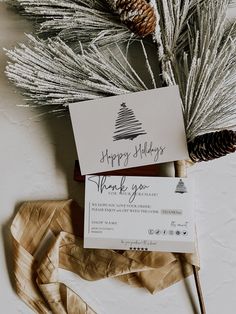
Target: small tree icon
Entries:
(127, 126)
(181, 188)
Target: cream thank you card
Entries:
(139, 213)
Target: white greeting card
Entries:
(129, 130)
(139, 213)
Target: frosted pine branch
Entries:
(172, 34)
(210, 87)
(199, 56)
(51, 73)
(196, 50)
(76, 20)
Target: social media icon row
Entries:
(167, 232)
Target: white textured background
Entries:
(36, 162)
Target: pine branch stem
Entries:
(199, 290)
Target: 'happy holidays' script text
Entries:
(141, 151)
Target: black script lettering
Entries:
(146, 150)
(101, 184)
(136, 188)
(115, 159)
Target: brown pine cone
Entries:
(212, 145)
(138, 15)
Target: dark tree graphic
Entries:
(181, 188)
(127, 126)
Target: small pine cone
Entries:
(138, 15)
(212, 145)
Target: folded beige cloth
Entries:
(37, 279)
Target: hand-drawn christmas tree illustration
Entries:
(181, 188)
(127, 125)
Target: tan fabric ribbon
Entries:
(37, 281)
